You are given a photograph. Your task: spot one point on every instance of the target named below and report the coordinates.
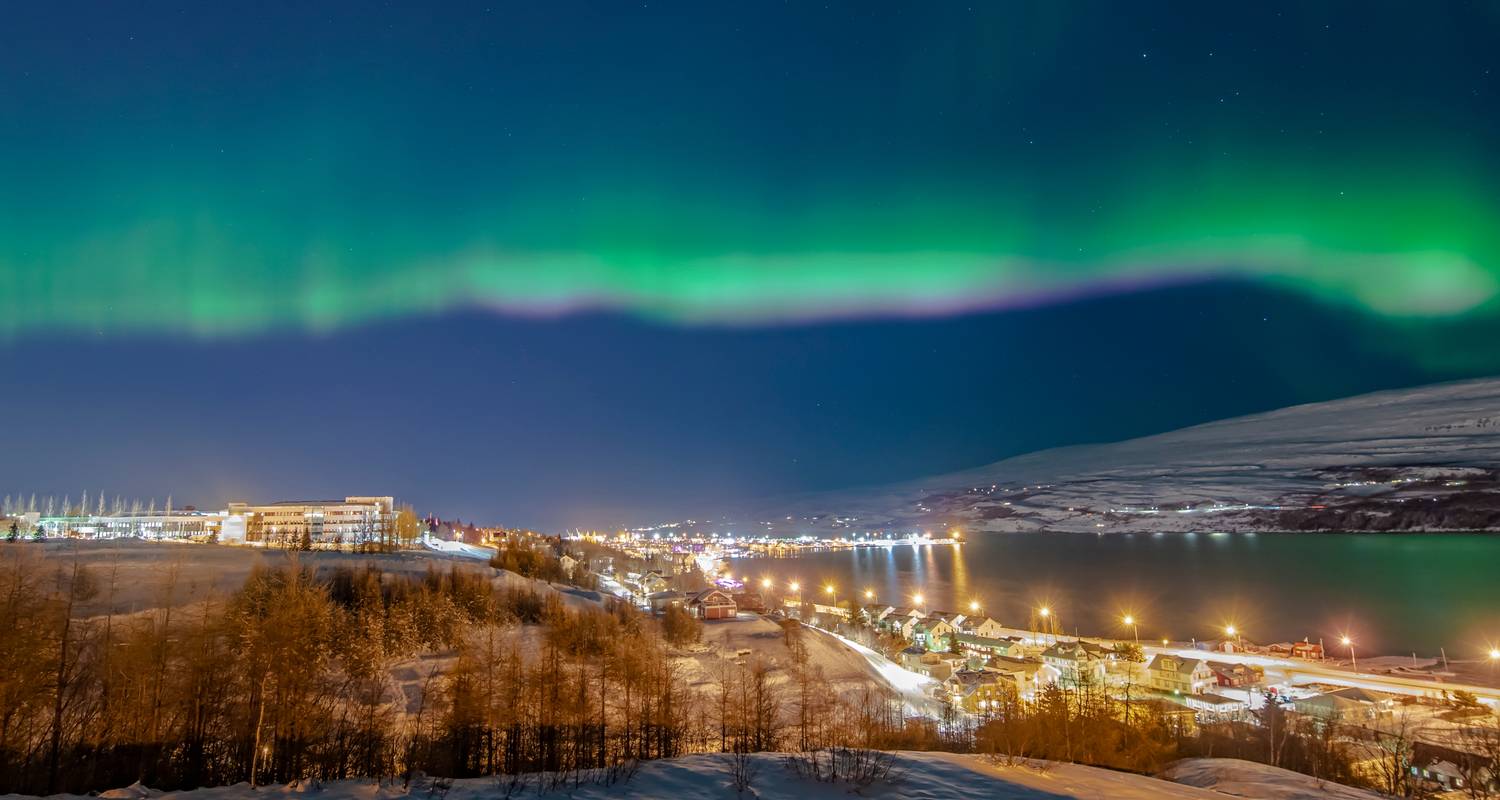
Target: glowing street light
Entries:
(1044, 611)
(974, 606)
(917, 598)
(869, 594)
(1230, 630)
(1495, 653)
(765, 583)
(795, 587)
(1129, 619)
(1349, 643)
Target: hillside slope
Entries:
(1414, 459)
(918, 776)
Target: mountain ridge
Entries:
(1425, 458)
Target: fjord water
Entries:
(1392, 593)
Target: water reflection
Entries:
(1394, 593)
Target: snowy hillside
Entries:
(1416, 459)
(919, 776)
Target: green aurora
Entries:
(253, 207)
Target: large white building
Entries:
(353, 520)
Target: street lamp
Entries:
(917, 599)
(765, 583)
(974, 606)
(869, 594)
(1134, 630)
(795, 587)
(1349, 643)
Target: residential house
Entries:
(712, 603)
(1177, 675)
(977, 691)
(1025, 676)
(658, 601)
(1217, 707)
(1235, 676)
(974, 643)
(752, 602)
(568, 563)
(652, 582)
(937, 634)
(1312, 651)
(894, 620)
(937, 666)
(1078, 663)
(1351, 704)
(873, 613)
(983, 626)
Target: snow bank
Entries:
(1248, 779)
(918, 776)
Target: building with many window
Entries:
(353, 520)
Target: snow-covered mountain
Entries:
(1412, 459)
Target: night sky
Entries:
(560, 263)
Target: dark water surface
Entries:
(1393, 593)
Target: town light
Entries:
(917, 598)
(1230, 630)
(1495, 653)
(765, 583)
(828, 588)
(1045, 611)
(1129, 620)
(1349, 643)
(869, 594)
(795, 586)
(974, 606)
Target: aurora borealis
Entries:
(775, 165)
(702, 251)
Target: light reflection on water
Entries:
(1393, 593)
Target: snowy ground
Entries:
(1249, 779)
(136, 575)
(846, 669)
(916, 776)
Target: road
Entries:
(1296, 672)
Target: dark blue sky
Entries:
(592, 419)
